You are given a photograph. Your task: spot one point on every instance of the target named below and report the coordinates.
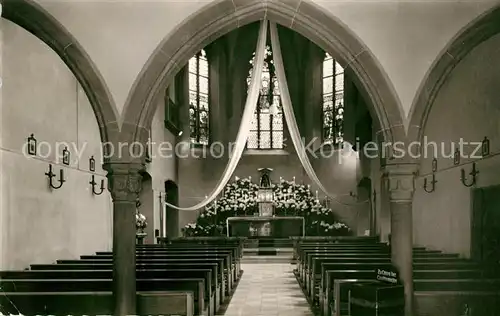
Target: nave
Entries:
(218, 276)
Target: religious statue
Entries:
(265, 182)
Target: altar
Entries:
(265, 223)
(266, 226)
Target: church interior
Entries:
(249, 157)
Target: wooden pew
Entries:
(94, 303)
(165, 264)
(170, 258)
(197, 286)
(330, 289)
(314, 277)
(313, 265)
(311, 257)
(181, 273)
(196, 248)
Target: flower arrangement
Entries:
(290, 199)
(140, 220)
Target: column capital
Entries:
(400, 181)
(125, 181)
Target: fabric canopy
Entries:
(241, 138)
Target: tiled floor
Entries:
(268, 290)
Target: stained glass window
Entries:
(333, 101)
(198, 99)
(266, 131)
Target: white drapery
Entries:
(290, 116)
(246, 120)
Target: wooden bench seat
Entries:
(179, 303)
(206, 274)
(327, 288)
(313, 271)
(315, 276)
(224, 266)
(197, 286)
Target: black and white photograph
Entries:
(250, 157)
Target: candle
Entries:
(293, 180)
(281, 179)
(317, 196)
(61, 173)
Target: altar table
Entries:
(264, 219)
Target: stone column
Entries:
(124, 185)
(401, 187)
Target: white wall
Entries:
(162, 167)
(466, 107)
(41, 96)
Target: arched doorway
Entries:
(146, 197)
(171, 218)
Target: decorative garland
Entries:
(290, 199)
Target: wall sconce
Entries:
(93, 183)
(456, 157)
(51, 175)
(434, 181)
(32, 145)
(65, 155)
(485, 147)
(92, 164)
(433, 184)
(434, 165)
(473, 173)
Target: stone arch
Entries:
(34, 19)
(224, 16)
(476, 32)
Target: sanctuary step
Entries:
(268, 246)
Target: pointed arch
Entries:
(479, 30)
(304, 17)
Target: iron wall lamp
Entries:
(92, 164)
(456, 157)
(51, 175)
(433, 181)
(473, 173)
(485, 148)
(32, 145)
(93, 184)
(434, 165)
(65, 155)
(432, 186)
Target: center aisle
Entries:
(268, 290)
